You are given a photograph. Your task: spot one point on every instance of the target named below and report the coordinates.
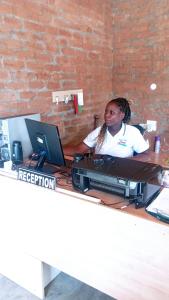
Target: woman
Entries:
(114, 137)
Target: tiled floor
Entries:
(63, 287)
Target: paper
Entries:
(160, 206)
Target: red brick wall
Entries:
(141, 57)
(61, 44)
(54, 45)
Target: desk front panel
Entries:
(118, 253)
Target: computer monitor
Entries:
(46, 145)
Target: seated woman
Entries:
(115, 137)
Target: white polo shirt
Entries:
(123, 144)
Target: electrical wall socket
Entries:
(55, 99)
(65, 96)
(151, 125)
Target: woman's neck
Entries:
(114, 129)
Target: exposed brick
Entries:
(32, 26)
(11, 23)
(50, 45)
(27, 95)
(140, 58)
(4, 75)
(6, 8)
(16, 85)
(13, 64)
(7, 96)
(53, 86)
(12, 44)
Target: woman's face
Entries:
(113, 116)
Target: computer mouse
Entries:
(78, 156)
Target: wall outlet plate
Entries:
(151, 125)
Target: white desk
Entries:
(122, 255)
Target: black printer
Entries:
(136, 181)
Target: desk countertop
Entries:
(152, 157)
(156, 158)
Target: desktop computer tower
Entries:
(14, 129)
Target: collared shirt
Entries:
(123, 144)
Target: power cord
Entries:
(111, 204)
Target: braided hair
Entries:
(124, 106)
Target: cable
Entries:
(58, 179)
(30, 163)
(64, 173)
(122, 207)
(60, 184)
(104, 203)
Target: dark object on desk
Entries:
(77, 157)
(17, 153)
(1, 163)
(15, 167)
(135, 180)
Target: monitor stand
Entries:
(42, 166)
(47, 169)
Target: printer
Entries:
(137, 181)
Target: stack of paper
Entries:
(160, 206)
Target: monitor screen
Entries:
(46, 144)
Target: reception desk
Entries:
(123, 253)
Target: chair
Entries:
(142, 130)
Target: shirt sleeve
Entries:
(91, 139)
(140, 145)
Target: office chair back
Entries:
(142, 130)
